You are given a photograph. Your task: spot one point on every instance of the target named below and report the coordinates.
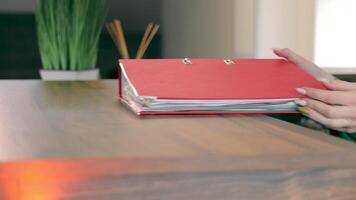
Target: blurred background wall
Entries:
(198, 28)
(21, 6)
(285, 23)
(190, 28)
(243, 28)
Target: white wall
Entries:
(335, 34)
(198, 28)
(244, 36)
(285, 23)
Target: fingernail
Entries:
(276, 49)
(304, 111)
(301, 102)
(301, 91)
(323, 80)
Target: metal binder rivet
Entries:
(229, 62)
(187, 61)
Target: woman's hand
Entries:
(304, 64)
(334, 108)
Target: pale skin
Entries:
(335, 108)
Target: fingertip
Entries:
(286, 53)
(324, 80)
(280, 52)
(276, 51)
(301, 102)
(302, 91)
(304, 111)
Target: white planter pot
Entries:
(53, 75)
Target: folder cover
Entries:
(211, 86)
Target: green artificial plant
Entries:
(69, 32)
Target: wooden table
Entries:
(74, 140)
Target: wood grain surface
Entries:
(74, 140)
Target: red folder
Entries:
(215, 79)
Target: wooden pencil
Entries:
(144, 40)
(121, 38)
(116, 32)
(112, 33)
(149, 40)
